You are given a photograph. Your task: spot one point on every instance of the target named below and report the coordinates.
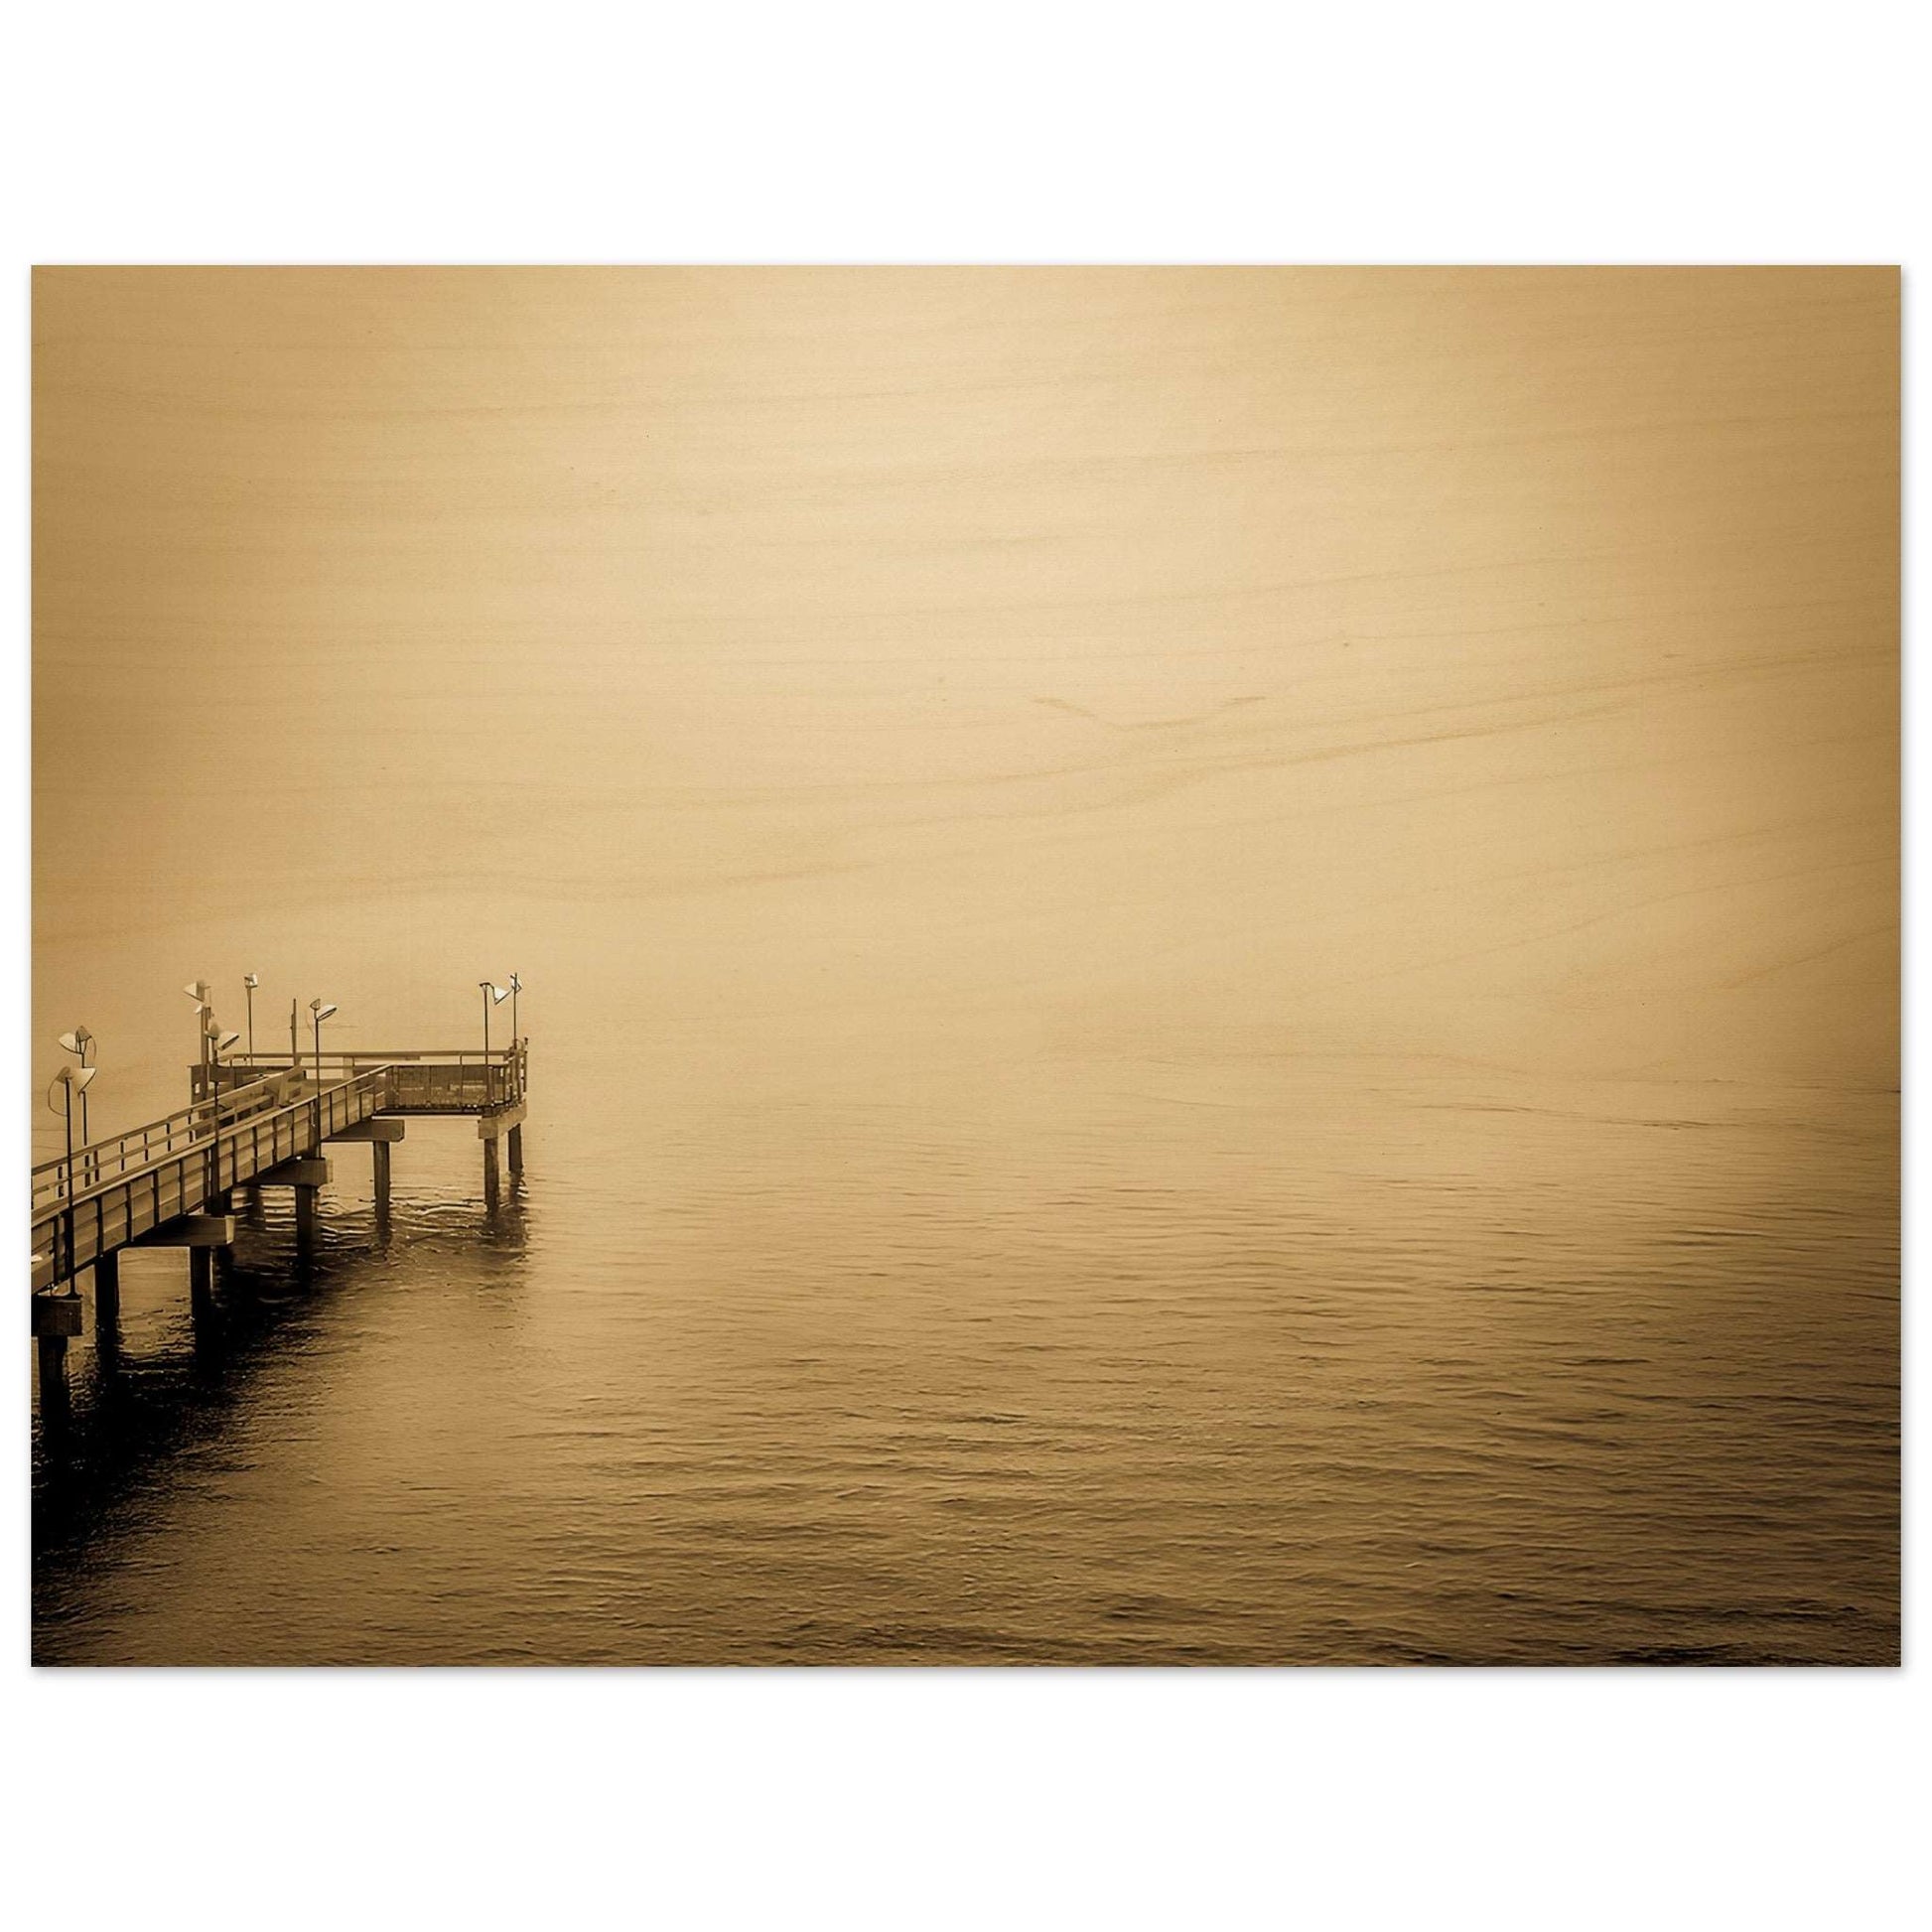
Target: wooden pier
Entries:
(255, 1121)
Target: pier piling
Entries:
(107, 1290)
(56, 1318)
(201, 1284)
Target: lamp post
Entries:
(320, 1013)
(218, 1044)
(79, 1043)
(516, 1041)
(250, 981)
(70, 1080)
(493, 996)
(197, 992)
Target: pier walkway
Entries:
(258, 1121)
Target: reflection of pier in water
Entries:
(256, 1121)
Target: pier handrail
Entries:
(368, 1054)
(187, 1131)
(104, 1163)
(498, 1078)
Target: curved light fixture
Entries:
(320, 1012)
(197, 992)
(70, 1080)
(225, 1041)
(493, 996)
(252, 980)
(80, 1042)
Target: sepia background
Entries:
(1212, 956)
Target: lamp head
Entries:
(319, 1011)
(74, 1042)
(77, 1077)
(516, 985)
(252, 980)
(498, 993)
(197, 992)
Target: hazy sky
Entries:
(1498, 664)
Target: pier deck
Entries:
(258, 1121)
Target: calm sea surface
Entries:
(1242, 1360)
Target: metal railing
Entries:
(264, 1109)
(100, 1163)
(454, 1079)
(190, 1158)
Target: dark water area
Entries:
(1359, 1363)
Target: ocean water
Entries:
(1251, 1362)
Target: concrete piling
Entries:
(56, 1318)
(107, 1290)
(55, 1403)
(201, 1284)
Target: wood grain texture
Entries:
(1483, 662)
(1213, 953)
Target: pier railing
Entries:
(117, 1191)
(433, 1080)
(259, 1111)
(100, 1163)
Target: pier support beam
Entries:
(55, 1403)
(56, 1317)
(204, 1236)
(381, 1134)
(107, 1292)
(307, 1176)
(201, 1282)
(492, 1128)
